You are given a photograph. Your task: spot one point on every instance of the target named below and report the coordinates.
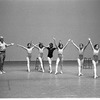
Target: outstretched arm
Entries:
(11, 44)
(32, 47)
(91, 44)
(75, 44)
(46, 47)
(66, 44)
(55, 42)
(36, 46)
(86, 45)
(22, 46)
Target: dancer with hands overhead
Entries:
(96, 50)
(60, 49)
(81, 48)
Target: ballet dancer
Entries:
(41, 48)
(3, 47)
(96, 49)
(81, 48)
(50, 49)
(29, 50)
(60, 49)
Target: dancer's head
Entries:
(81, 45)
(29, 45)
(51, 45)
(60, 45)
(41, 45)
(96, 46)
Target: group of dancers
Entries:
(51, 48)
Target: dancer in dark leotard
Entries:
(50, 55)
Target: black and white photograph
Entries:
(50, 49)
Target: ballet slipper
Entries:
(95, 76)
(56, 73)
(50, 71)
(28, 70)
(61, 72)
(80, 74)
(3, 72)
(43, 71)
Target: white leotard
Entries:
(60, 51)
(41, 52)
(95, 52)
(81, 51)
(29, 50)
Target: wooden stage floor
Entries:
(18, 83)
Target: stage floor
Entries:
(18, 83)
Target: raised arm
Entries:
(66, 44)
(32, 47)
(11, 44)
(36, 46)
(22, 46)
(86, 45)
(55, 42)
(75, 44)
(99, 49)
(91, 44)
(45, 47)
